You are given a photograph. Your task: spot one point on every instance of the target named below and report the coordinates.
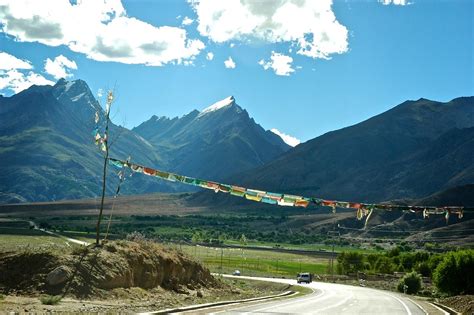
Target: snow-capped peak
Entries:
(218, 105)
(291, 141)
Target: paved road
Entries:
(329, 298)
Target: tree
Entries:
(410, 283)
(196, 238)
(350, 262)
(372, 260)
(243, 239)
(222, 238)
(454, 275)
(384, 265)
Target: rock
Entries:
(199, 294)
(58, 275)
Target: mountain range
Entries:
(418, 149)
(47, 149)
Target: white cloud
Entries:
(280, 63)
(187, 21)
(8, 62)
(14, 75)
(291, 141)
(394, 2)
(99, 29)
(210, 56)
(308, 25)
(229, 63)
(17, 81)
(59, 67)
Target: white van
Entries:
(304, 277)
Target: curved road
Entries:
(329, 298)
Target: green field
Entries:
(14, 240)
(16, 234)
(256, 262)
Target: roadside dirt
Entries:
(133, 300)
(461, 303)
(92, 272)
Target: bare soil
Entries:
(461, 303)
(92, 272)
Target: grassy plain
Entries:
(252, 262)
(19, 236)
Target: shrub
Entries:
(384, 265)
(350, 262)
(423, 268)
(454, 275)
(50, 299)
(136, 236)
(411, 282)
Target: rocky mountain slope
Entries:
(416, 149)
(219, 141)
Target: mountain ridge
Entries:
(197, 143)
(389, 156)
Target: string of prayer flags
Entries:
(363, 210)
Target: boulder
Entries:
(58, 276)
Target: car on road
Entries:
(236, 273)
(304, 277)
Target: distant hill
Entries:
(219, 141)
(416, 149)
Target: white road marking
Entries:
(440, 309)
(421, 307)
(407, 309)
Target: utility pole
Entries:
(332, 234)
(222, 255)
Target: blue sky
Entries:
(360, 58)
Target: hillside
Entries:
(411, 151)
(47, 149)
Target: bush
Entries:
(384, 265)
(50, 299)
(454, 275)
(350, 262)
(136, 236)
(411, 282)
(423, 268)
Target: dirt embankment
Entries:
(90, 271)
(461, 303)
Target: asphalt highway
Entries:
(329, 298)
